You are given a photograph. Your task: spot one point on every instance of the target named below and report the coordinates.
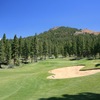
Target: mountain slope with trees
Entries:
(54, 43)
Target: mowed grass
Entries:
(28, 82)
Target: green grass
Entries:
(28, 82)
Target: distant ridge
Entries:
(54, 28)
(87, 31)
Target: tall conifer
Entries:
(15, 50)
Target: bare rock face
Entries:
(87, 31)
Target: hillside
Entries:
(64, 41)
(87, 31)
(58, 32)
(62, 31)
(54, 43)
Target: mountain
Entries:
(64, 41)
(57, 41)
(62, 31)
(59, 32)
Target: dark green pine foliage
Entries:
(55, 51)
(49, 48)
(15, 50)
(26, 50)
(74, 49)
(2, 53)
(8, 52)
(79, 45)
(32, 50)
(65, 49)
(4, 46)
(35, 46)
(87, 45)
(20, 47)
(40, 49)
(69, 46)
(98, 44)
(62, 51)
(45, 49)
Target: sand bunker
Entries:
(70, 72)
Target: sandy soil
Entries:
(70, 72)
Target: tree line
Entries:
(61, 42)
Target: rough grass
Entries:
(29, 82)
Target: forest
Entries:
(54, 43)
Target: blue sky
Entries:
(27, 17)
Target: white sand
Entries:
(70, 72)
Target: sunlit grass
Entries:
(28, 82)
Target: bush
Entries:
(11, 66)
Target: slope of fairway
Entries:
(29, 82)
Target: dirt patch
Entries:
(70, 72)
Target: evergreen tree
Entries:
(26, 50)
(98, 43)
(49, 48)
(8, 53)
(2, 53)
(20, 47)
(4, 46)
(40, 49)
(45, 49)
(62, 51)
(35, 46)
(55, 51)
(79, 45)
(65, 50)
(15, 50)
(87, 45)
(32, 50)
(74, 49)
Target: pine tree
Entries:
(74, 52)
(20, 47)
(49, 49)
(32, 50)
(8, 53)
(35, 46)
(65, 50)
(2, 54)
(26, 50)
(4, 39)
(15, 50)
(4, 46)
(62, 51)
(45, 49)
(40, 49)
(78, 45)
(55, 51)
(98, 43)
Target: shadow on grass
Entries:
(97, 65)
(81, 96)
(77, 58)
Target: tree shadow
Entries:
(76, 58)
(97, 65)
(81, 96)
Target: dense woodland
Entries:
(59, 42)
